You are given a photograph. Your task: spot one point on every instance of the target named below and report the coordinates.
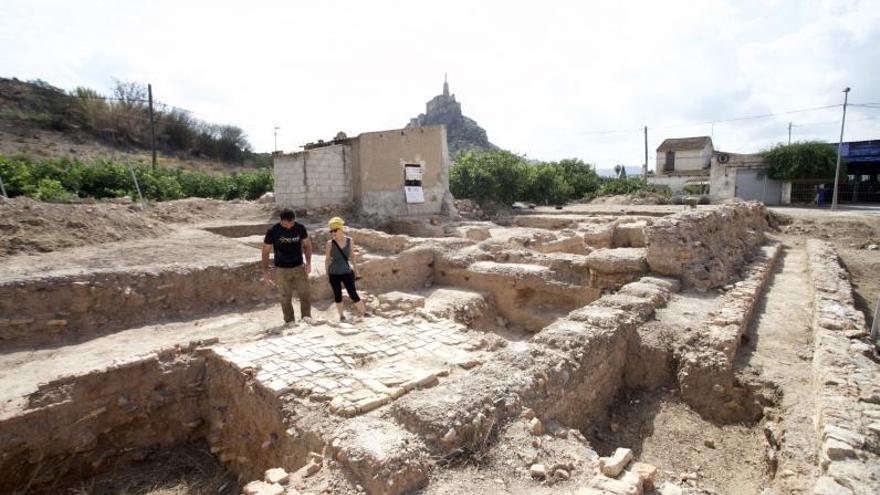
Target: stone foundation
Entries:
(847, 382)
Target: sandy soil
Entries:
(687, 449)
(851, 231)
(29, 226)
(779, 350)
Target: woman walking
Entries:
(340, 262)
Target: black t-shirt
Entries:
(287, 244)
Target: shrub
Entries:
(51, 190)
(805, 160)
(61, 179)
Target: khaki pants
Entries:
(288, 280)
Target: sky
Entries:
(546, 79)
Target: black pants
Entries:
(336, 283)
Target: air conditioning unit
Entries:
(723, 158)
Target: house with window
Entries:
(683, 162)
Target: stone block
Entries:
(618, 260)
(668, 488)
(384, 457)
(629, 234)
(263, 488)
(597, 235)
(276, 475)
(611, 486)
(538, 471)
(647, 473)
(616, 463)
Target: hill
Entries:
(41, 120)
(462, 133)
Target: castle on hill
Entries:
(462, 133)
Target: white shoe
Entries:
(307, 320)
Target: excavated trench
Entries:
(509, 327)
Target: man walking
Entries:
(290, 241)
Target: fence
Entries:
(849, 192)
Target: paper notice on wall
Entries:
(412, 172)
(414, 194)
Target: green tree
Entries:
(546, 184)
(804, 160)
(489, 176)
(580, 176)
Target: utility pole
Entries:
(839, 150)
(645, 170)
(789, 133)
(275, 149)
(152, 124)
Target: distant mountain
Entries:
(462, 133)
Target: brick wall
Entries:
(313, 178)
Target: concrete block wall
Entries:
(368, 171)
(313, 178)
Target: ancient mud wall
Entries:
(70, 428)
(704, 247)
(570, 371)
(46, 310)
(846, 381)
(705, 373)
(40, 311)
(526, 294)
(245, 423)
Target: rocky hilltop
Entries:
(462, 133)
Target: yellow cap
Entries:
(336, 223)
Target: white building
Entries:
(683, 161)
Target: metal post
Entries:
(839, 151)
(137, 186)
(276, 138)
(789, 133)
(875, 327)
(2, 189)
(645, 171)
(152, 124)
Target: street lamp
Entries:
(839, 150)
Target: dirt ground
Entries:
(852, 233)
(185, 470)
(779, 351)
(687, 449)
(631, 199)
(29, 226)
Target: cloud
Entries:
(540, 77)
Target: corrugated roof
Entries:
(684, 144)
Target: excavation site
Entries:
(620, 350)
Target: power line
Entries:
(709, 122)
(750, 117)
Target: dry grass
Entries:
(188, 470)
